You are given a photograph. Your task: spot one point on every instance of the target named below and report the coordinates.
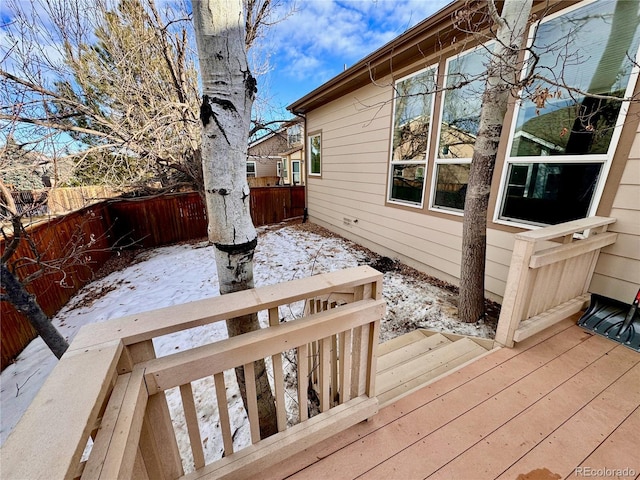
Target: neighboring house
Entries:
(279, 154)
(264, 155)
(388, 160)
(292, 165)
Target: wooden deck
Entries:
(563, 403)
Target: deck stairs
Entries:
(410, 361)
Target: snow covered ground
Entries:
(183, 273)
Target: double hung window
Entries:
(251, 169)
(459, 125)
(412, 112)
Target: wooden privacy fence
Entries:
(549, 276)
(59, 200)
(85, 232)
(163, 220)
(274, 204)
(109, 386)
(67, 199)
(122, 223)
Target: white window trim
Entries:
(255, 169)
(451, 161)
(311, 173)
(299, 172)
(605, 159)
(425, 161)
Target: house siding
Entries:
(350, 199)
(266, 167)
(617, 273)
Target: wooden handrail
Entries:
(105, 387)
(551, 269)
(174, 370)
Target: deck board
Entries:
(547, 403)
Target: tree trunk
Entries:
(26, 304)
(228, 93)
(502, 75)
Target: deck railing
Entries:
(106, 395)
(549, 276)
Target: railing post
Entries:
(517, 291)
(158, 443)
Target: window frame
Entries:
(310, 137)
(603, 159)
(437, 161)
(255, 169)
(293, 172)
(294, 138)
(420, 163)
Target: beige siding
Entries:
(350, 196)
(350, 199)
(265, 167)
(618, 270)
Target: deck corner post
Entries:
(519, 281)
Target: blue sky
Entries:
(314, 43)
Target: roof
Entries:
(426, 38)
(402, 50)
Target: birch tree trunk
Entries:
(228, 93)
(502, 77)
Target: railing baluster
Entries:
(313, 367)
(223, 412)
(372, 356)
(252, 401)
(345, 366)
(334, 369)
(303, 381)
(278, 376)
(191, 416)
(325, 374)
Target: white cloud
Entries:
(323, 35)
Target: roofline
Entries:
(352, 77)
(433, 32)
(285, 125)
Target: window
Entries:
(459, 124)
(251, 169)
(315, 161)
(412, 112)
(295, 169)
(562, 146)
(294, 134)
(279, 168)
